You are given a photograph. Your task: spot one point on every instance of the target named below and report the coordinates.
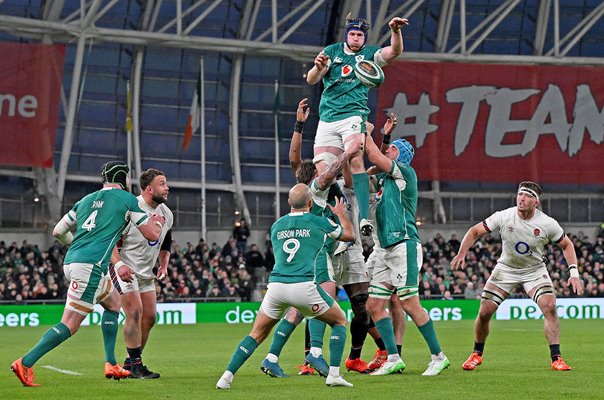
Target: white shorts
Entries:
(335, 133)
(507, 278)
(138, 284)
(87, 287)
(372, 261)
(397, 265)
(308, 297)
(349, 267)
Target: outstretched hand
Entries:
(339, 209)
(390, 124)
(321, 61)
(397, 23)
(303, 110)
(577, 285)
(458, 262)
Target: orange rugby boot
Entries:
(472, 362)
(25, 374)
(357, 365)
(560, 365)
(306, 369)
(379, 358)
(115, 371)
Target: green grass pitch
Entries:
(192, 358)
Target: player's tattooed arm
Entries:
(327, 177)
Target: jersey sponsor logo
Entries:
(346, 70)
(337, 60)
(98, 204)
(523, 248)
(153, 243)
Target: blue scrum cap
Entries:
(405, 151)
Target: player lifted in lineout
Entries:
(343, 108)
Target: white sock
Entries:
(334, 371)
(227, 376)
(272, 358)
(316, 351)
(393, 357)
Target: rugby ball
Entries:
(369, 73)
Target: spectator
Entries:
(241, 233)
(470, 292)
(230, 249)
(254, 259)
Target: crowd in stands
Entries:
(237, 271)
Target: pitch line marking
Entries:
(63, 371)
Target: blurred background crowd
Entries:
(237, 271)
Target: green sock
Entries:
(109, 327)
(51, 339)
(360, 183)
(384, 326)
(429, 334)
(337, 341)
(281, 336)
(317, 331)
(244, 350)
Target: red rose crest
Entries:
(536, 232)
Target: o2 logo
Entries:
(153, 243)
(523, 248)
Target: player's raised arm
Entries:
(375, 155)
(318, 71)
(390, 53)
(328, 177)
(389, 126)
(458, 262)
(295, 146)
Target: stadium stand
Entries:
(205, 272)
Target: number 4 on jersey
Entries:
(89, 223)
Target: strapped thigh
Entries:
(543, 290)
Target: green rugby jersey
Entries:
(396, 205)
(101, 217)
(298, 240)
(343, 94)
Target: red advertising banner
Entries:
(499, 123)
(30, 84)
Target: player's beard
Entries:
(159, 199)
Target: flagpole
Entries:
(129, 129)
(202, 125)
(277, 155)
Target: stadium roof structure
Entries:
(248, 46)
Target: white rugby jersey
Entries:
(523, 240)
(139, 253)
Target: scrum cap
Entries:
(405, 151)
(115, 172)
(358, 24)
